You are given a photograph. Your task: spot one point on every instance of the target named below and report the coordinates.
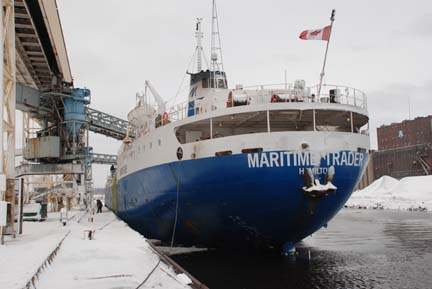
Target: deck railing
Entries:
(292, 93)
(178, 111)
(259, 94)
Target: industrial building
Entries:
(405, 134)
(404, 149)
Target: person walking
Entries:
(99, 206)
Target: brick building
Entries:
(404, 149)
(406, 133)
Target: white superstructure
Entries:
(295, 120)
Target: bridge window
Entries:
(192, 132)
(279, 121)
(223, 126)
(239, 124)
(360, 123)
(333, 120)
(221, 83)
(291, 120)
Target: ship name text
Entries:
(305, 159)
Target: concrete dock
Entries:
(50, 255)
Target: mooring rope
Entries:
(148, 276)
(177, 203)
(107, 224)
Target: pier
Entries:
(52, 255)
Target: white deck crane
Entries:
(160, 102)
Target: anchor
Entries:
(315, 190)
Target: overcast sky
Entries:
(381, 47)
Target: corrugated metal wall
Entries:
(368, 175)
(401, 162)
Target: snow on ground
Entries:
(409, 192)
(21, 257)
(117, 257)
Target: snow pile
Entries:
(408, 193)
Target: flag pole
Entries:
(332, 18)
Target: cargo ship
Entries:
(262, 166)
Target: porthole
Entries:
(179, 153)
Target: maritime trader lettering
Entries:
(287, 159)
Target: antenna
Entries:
(216, 49)
(409, 107)
(199, 48)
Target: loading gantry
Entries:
(61, 145)
(36, 79)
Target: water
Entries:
(359, 249)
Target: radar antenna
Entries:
(216, 49)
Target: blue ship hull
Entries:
(225, 202)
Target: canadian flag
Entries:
(317, 34)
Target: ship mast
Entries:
(199, 48)
(216, 48)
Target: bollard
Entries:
(63, 216)
(89, 234)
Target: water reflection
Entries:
(360, 249)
